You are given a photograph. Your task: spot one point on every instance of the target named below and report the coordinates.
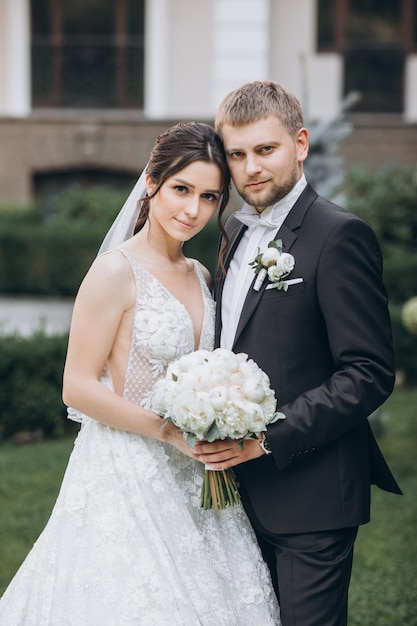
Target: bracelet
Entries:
(264, 444)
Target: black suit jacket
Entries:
(326, 345)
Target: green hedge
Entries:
(44, 253)
(387, 200)
(43, 260)
(48, 254)
(39, 259)
(31, 385)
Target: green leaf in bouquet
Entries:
(191, 439)
(212, 433)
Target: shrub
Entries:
(46, 260)
(44, 254)
(94, 205)
(387, 200)
(31, 385)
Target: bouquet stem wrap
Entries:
(219, 489)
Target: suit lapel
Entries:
(288, 236)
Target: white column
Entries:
(15, 100)
(156, 85)
(241, 41)
(410, 91)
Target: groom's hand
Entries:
(222, 454)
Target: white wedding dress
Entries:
(127, 543)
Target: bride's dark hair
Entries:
(176, 148)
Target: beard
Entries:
(275, 193)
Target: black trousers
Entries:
(311, 574)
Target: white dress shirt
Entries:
(262, 228)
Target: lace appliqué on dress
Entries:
(127, 543)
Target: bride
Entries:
(127, 543)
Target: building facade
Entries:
(87, 85)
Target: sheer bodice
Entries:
(127, 543)
(162, 331)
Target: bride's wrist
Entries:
(165, 431)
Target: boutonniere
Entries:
(273, 263)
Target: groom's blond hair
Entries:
(256, 100)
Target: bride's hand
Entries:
(174, 436)
(222, 454)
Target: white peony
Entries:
(223, 359)
(236, 392)
(189, 361)
(232, 422)
(254, 390)
(218, 397)
(193, 412)
(255, 418)
(219, 377)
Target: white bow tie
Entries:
(271, 218)
(250, 219)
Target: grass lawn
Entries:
(383, 589)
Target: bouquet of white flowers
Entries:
(216, 395)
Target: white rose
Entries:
(270, 257)
(275, 273)
(286, 262)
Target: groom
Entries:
(324, 339)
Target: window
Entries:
(326, 25)
(373, 36)
(87, 53)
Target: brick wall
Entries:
(121, 142)
(379, 140)
(52, 143)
